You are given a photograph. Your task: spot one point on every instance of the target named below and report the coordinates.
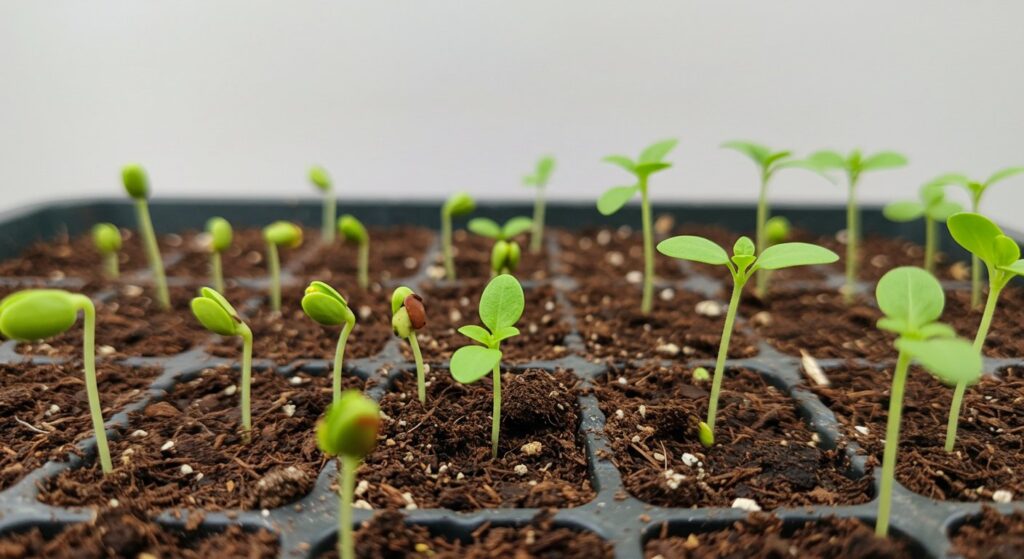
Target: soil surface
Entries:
(763, 449)
(395, 253)
(472, 255)
(440, 455)
(46, 411)
(610, 253)
(77, 257)
(991, 535)
(1006, 335)
(245, 258)
(880, 254)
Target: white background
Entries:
(416, 98)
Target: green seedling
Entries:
(505, 254)
(352, 230)
(458, 204)
(107, 238)
(325, 305)
(501, 306)
(651, 161)
(220, 234)
(933, 207)
(539, 180)
(742, 265)
(1001, 255)
(348, 431)
(36, 314)
(322, 181)
(284, 234)
(407, 316)
(136, 183)
(777, 230)
(700, 374)
(217, 315)
(854, 165)
(912, 300)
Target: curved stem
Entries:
(496, 412)
(645, 216)
(537, 237)
(421, 379)
(975, 263)
(446, 245)
(852, 234)
(892, 442)
(153, 253)
(761, 287)
(111, 267)
(346, 540)
(246, 382)
(217, 272)
(953, 422)
(929, 244)
(339, 360)
(275, 277)
(330, 208)
(723, 351)
(92, 392)
(364, 264)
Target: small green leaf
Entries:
(656, 152)
(942, 210)
(213, 317)
(976, 233)
(756, 152)
(910, 295)
(828, 160)
(788, 255)
(1004, 174)
(516, 226)
(471, 363)
(614, 198)
(1016, 268)
(883, 160)
(36, 314)
(350, 426)
(136, 183)
(544, 168)
(326, 306)
(951, 360)
(221, 300)
(705, 435)
(743, 247)
(646, 169)
(319, 177)
(950, 178)
(485, 227)
(476, 333)
(622, 161)
(398, 297)
(458, 204)
(220, 233)
(106, 237)
(936, 330)
(352, 229)
(283, 233)
(777, 229)
(502, 302)
(697, 249)
(505, 333)
(1006, 250)
(903, 211)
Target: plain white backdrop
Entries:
(416, 98)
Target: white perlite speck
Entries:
(363, 487)
(361, 504)
(1002, 496)
(689, 459)
(520, 469)
(669, 349)
(861, 429)
(619, 414)
(673, 480)
(532, 448)
(139, 433)
(186, 469)
(288, 409)
(167, 446)
(635, 277)
(230, 391)
(748, 505)
(709, 308)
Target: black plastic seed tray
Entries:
(308, 527)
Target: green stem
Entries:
(275, 277)
(761, 287)
(346, 540)
(975, 263)
(496, 412)
(852, 234)
(92, 392)
(217, 272)
(111, 267)
(339, 360)
(364, 265)
(537, 237)
(892, 442)
(246, 382)
(929, 244)
(645, 216)
(953, 423)
(446, 245)
(421, 377)
(330, 208)
(156, 263)
(723, 351)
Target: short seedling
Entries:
(217, 315)
(742, 265)
(458, 204)
(854, 165)
(912, 300)
(348, 431)
(36, 314)
(933, 207)
(220, 234)
(539, 180)
(107, 238)
(283, 234)
(325, 305)
(136, 183)
(505, 254)
(407, 316)
(352, 230)
(1001, 255)
(501, 305)
(322, 181)
(651, 161)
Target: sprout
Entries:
(322, 181)
(407, 316)
(649, 162)
(700, 374)
(934, 207)
(35, 314)
(539, 180)
(912, 300)
(217, 315)
(506, 253)
(501, 305)
(458, 204)
(325, 305)
(220, 240)
(742, 266)
(853, 165)
(777, 230)
(136, 183)
(285, 234)
(352, 230)
(107, 238)
(348, 431)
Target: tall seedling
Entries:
(136, 183)
(322, 181)
(933, 207)
(539, 180)
(458, 204)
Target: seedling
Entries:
(36, 314)
(284, 234)
(777, 230)
(322, 181)
(352, 230)
(539, 180)
(107, 238)
(458, 204)
(505, 254)
(407, 316)
(933, 207)
(136, 183)
(1001, 255)
(325, 305)
(651, 161)
(854, 165)
(220, 240)
(742, 265)
(501, 305)
(348, 431)
(217, 315)
(912, 300)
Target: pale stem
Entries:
(327, 227)
(364, 264)
(246, 382)
(217, 272)
(892, 442)
(111, 267)
(339, 360)
(275, 277)
(92, 392)
(496, 412)
(346, 540)
(975, 263)
(421, 378)
(537, 237)
(645, 216)
(446, 245)
(723, 351)
(761, 287)
(156, 263)
(929, 244)
(852, 234)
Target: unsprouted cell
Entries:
(136, 184)
(279, 234)
(407, 316)
(220, 234)
(505, 254)
(107, 239)
(539, 180)
(322, 181)
(327, 307)
(458, 204)
(353, 231)
(933, 207)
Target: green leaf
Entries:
(942, 210)
(36, 314)
(485, 227)
(1006, 250)
(951, 360)
(544, 168)
(136, 182)
(516, 226)
(502, 302)
(106, 237)
(883, 160)
(807, 165)
(654, 153)
(777, 157)
(476, 333)
(283, 233)
(906, 210)
(1015, 268)
(622, 161)
(220, 233)
(827, 160)
(697, 249)
(472, 363)
(976, 233)
(936, 330)
(213, 317)
(458, 204)
(505, 333)
(352, 229)
(646, 169)
(326, 308)
(1004, 174)
(950, 178)
(320, 179)
(777, 229)
(614, 198)
(350, 426)
(756, 152)
(910, 295)
(787, 255)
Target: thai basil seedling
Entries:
(352, 230)
(505, 253)
(325, 305)
(107, 238)
(933, 207)
(539, 180)
(284, 234)
(742, 265)
(651, 161)
(36, 314)
(912, 300)
(136, 183)
(217, 315)
(458, 204)
(348, 431)
(854, 165)
(322, 181)
(220, 240)
(501, 305)
(407, 316)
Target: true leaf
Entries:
(654, 153)
(697, 249)
(614, 198)
(505, 333)
(911, 296)
(471, 363)
(787, 255)
(485, 227)
(951, 360)
(502, 302)
(903, 211)
(476, 333)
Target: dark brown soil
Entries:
(395, 252)
(472, 254)
(46, 411)
(763, 450)
(202, 418)
(245, 258)
(989, 442)
(441, 454)
(766, 537)
(610, 253)
(1006, 335)
(991, 536)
